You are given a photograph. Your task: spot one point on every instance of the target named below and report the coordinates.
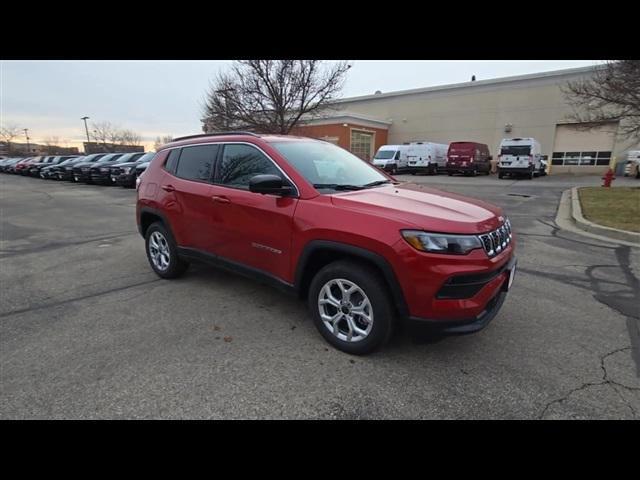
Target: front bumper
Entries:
(479, 321)
(80, 176)
(448, 290)
(99, 177)
(125, 179)
(64, 175)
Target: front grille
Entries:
(496, 241)
(116, 171)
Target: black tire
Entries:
(500, 174)
(177, 266)
(374, 287)
(450, 174)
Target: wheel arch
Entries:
(318, 253)
(148, 216)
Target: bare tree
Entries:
(129, 137)
(104, 133)
(160, 141)
(8, 132)
(52, 144)
(111, 136)
(270, 96)
(611, 93)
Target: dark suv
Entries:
(98, 173)
(123, 172)
(314, 219)
(73, 170)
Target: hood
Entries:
(125, 164)
(426, 208)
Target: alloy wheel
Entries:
(159, 251)
(345, 310)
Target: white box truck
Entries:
(427, 157)
(519, 156)
(392, 158)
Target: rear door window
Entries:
(196, 163)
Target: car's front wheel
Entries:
(350, 307)
(162, 252)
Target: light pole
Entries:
(86, 129)
(26, 134)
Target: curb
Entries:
(588, 226)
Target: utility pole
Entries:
(86, 129)
(26, 134)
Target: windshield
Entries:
(384, 154)
(328, 166)
(109, 158)
(516, 150)
(145, 158)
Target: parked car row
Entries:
(518, 157)
(99, 168)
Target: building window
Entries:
(362, 144)
(581, 159)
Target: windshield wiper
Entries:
(376, 183)
(337, 186)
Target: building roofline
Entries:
(343, 114)
(477, 83)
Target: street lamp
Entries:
(26, 134)
(85, 128)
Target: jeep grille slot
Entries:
(496, 241)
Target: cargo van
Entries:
(392, 158)
(427, 157)
(519, 156)
(468, 158)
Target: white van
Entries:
(519, 156)
(427, 157)
(391, 158)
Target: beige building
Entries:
(487, 111)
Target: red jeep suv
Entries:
(315, 220)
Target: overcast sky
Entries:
(164, 97)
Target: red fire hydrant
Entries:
(608, 178)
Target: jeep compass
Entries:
(313, 219)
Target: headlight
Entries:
(126, 170)
(104, 169)
(441, 242)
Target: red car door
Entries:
(253, 229)
(186, 193)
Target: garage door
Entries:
(578, 147)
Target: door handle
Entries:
(168, 188)
(219, 199)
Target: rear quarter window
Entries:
(172, 160)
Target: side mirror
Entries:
(271, 184)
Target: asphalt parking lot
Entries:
(87, 330)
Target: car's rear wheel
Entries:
(162, 252)
(350, 307)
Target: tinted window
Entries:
(172, 160)
(240, 163)
(195, 163)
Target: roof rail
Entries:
(213, 134)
